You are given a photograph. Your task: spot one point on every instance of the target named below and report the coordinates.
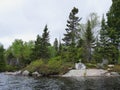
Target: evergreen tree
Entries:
(89, 39)
(103, 39)
(41, 46)
(2, 61)
(72, 35)
(37, 54)
(72, 30)
(56, 46)
(45, 43)
(113, 17)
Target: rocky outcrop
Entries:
(89, 72)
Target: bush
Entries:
(54, 66)
(90, 65)
(116, 68)
(34, 66)
(10, 68)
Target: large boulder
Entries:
(80, 66)
(25, 73)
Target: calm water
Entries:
(8, 82)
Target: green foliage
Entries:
(72, 31)
(54, 66)
(2, 61)
(116, 68)
(10, 68)
(41, 49)
(56, 46)
(89, 40)
(34, 66)
(19, 53)
(90, 65)
(113, 23)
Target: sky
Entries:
(25, 19)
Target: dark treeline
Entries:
(91, 42)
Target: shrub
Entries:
(90, 65)
(116, 68)
(34, 66)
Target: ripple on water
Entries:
(8, 82)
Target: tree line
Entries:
(91, 42)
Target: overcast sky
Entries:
(24, 19)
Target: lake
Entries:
(9, 82)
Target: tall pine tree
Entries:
(113, 17)
(89, 39)
(72, 30)
(72, 35)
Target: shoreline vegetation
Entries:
(94, 43)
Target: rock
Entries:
(105, 62)
(114, 74)
(80, 66)
(100, 66)
(18, 72)
(36, 74)
(13, 73)
(25, 73)
(107, 74)
(109, 69)
(111, 66)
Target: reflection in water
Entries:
(8, 82)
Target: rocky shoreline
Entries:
(71, 73)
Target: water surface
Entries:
(9, 82)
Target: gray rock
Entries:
(114, 74)
(36, 74)
(80, 66)
(105, 62)
(25, 73)
(111, 66)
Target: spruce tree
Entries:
(113, 17)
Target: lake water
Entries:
(9, 82)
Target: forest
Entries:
(92, 43)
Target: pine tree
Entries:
(72, 30)
(89, 39)
(113, 17)
(72, 35)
